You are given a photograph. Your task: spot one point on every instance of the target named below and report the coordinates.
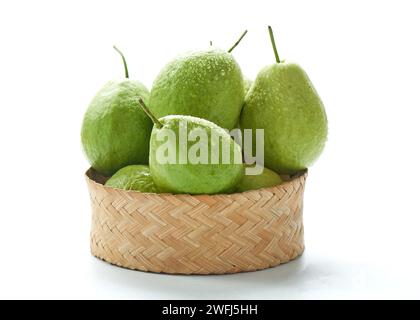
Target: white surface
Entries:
(362, 213)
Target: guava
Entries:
(133, 177)
(205, 84)
(284, 103)
(115, 130)
(203, 169)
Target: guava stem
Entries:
(124, 61)
(273, 43)
(150, 114)
(237, 42)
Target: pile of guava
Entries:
(204, 128)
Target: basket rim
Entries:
(88, 176)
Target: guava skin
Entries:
(284, 103)
(194, 178)
(247, 85)
(134, 177)
(115, 130)
(266, 179)
(205, 84)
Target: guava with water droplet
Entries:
(200, 174)
(205, 84)
(284, 102)
(115, 131)
(266, 179)
(134, 177)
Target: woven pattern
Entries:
(205, 234)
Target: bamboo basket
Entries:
(197, 234)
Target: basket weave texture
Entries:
(197, 234)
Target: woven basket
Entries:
(204, 234)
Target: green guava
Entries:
(266, 179)
(284, 103)
(115, 130)
(209, 173)
(133, 177)
(205, 84)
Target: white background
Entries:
(362, 212)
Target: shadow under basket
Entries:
(197, 234)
